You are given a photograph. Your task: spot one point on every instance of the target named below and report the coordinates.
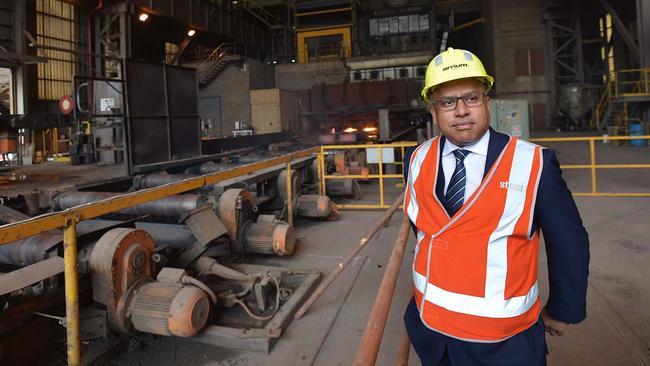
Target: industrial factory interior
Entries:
(225, 182)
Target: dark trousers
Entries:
(527, 348)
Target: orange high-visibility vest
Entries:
(475, 274)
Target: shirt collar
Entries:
(479, 147)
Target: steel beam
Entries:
(643, 24)
(622, 30)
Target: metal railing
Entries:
(380, 167)
(631, 83)
(592, 166)
(224, 49)
(624, 83)
(69, 218)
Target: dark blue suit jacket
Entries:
(567, 244)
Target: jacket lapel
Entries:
(498, 142)
(440, 182)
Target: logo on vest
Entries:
(511, 186)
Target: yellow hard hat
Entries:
(451, 65)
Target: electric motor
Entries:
(169, 309)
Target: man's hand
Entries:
(552, 326)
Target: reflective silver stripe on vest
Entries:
(494, 307)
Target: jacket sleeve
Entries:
(567, 244)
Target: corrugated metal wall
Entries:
(385, 94)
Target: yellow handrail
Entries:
(592, 166)
(619, 86)
(380, 176)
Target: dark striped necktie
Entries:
(456, 189)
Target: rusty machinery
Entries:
(164, 267)
(235, 210)
(122, 271)
(342, 162)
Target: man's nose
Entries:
(461, 108)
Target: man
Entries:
(478, 199)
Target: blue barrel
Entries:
(637, 129)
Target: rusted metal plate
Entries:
(206, 228)
(205, 225)
(29, 275)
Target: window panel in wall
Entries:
(529, 62)
(171, 49)
(389, 73)
(373, 27)
(383, 26)
(403, 24)
(394, 25)
(414, 25)
(424, 22)
(55, 28)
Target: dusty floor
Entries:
(616, 332)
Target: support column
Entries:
(643, 24)
(550, 74)
(643, 30)
(20, 90)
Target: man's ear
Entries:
(433, 116)
(487, 106)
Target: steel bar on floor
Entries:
(343, 264)
(371, 339)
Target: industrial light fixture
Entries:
(370, 129)
(191, 32)
(143, 17)
(350, 130)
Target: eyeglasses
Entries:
(471, 99)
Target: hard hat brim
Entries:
(487, 80)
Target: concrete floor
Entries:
(616, 332)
